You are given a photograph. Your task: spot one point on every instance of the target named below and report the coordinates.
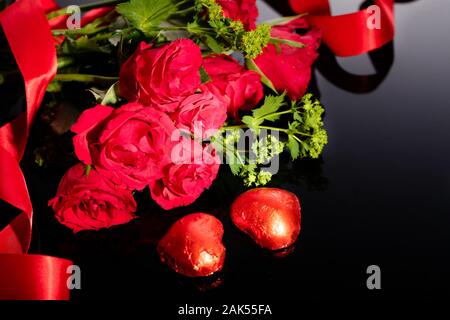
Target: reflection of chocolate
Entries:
(284, 252)
(203, 284)
(270, 216)
(193, 245)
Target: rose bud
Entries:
(202, 113)
(193, 170)
(270, 216)
(161, 76)
(241, 87)
(289, 67)
(87, 201)
(193, 245)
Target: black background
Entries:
(379, 195)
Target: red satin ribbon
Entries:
(28, 33)
(348, 34)
(25, 26)
(33, 277)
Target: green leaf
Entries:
(213, 44)
(293, 146)
(284, 20)
(278, 41)
(252, 122)
(193, 27)
(146, 15)
(277, 47)
(251, 65)
(87, 169)
(293, 126)
(98, 94)
(111, 96)
(204, 76)
(64, 62)
(82, 45)
(271, 105)
(115, 39)
(248, 120)
(297, 116)
(54, 86)
(235, 168)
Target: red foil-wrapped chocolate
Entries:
(269, 216)
(193, 245)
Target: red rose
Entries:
(161, 76)
(240, 86)
(242, 10)
(289, 68)
(194, 169)
(201, 113)
(89, 202)
(129, 145)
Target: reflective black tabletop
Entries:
(378, 196)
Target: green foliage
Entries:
(146, 15)
(306, 136)
(294, 147)
(278, 41)
(204, 76)
(267, 112)
(54, 86)
(213, 44)
(251, 65)
(112, 95)
(107, 97)
(87, 169)
(83, 44)
(270, 106)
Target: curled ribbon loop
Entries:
(349, 34)
(25, 26)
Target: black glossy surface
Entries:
(379, 196)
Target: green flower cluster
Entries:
(231, 34)
(267, 148)
(253, 42)
(253, 176)
(306, 136)
(308, 123)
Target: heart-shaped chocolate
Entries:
(193, 245)
(270, 216)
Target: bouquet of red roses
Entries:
(178, 87)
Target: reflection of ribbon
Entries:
(26, 28)
(349, 34)
(381, 59)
